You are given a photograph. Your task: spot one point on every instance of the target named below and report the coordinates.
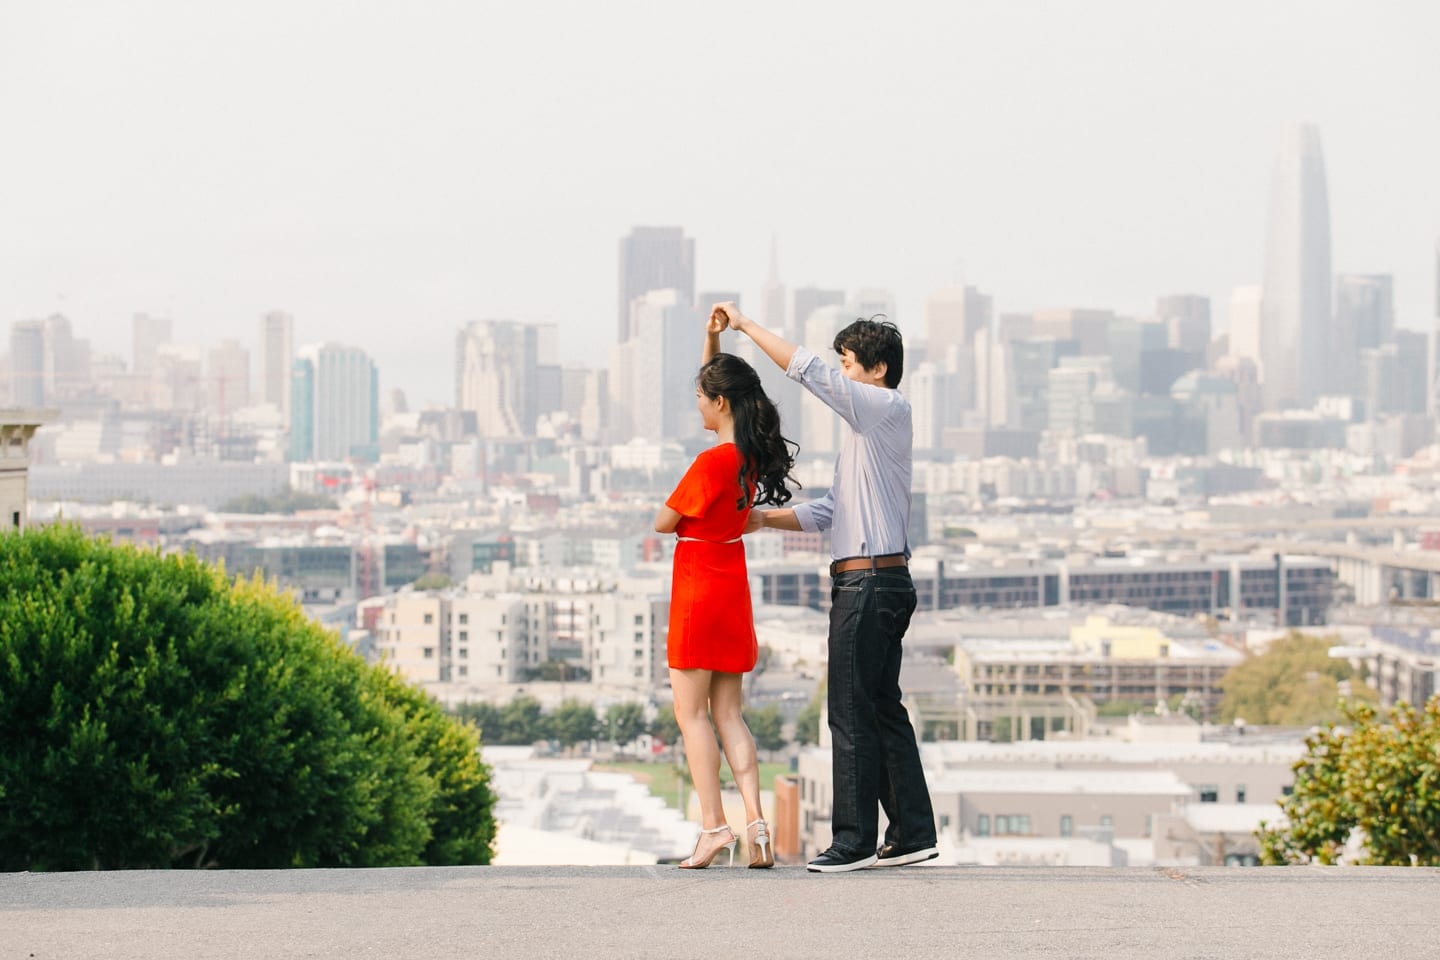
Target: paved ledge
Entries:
(587, 913)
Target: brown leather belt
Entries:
(868, 563)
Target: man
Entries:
(867, 511)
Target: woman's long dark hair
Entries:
(766, 457)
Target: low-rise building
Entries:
(504, 628)
(1083, 801)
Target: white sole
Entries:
(918, 856)
(860, 864)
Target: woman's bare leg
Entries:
(692, 690)
(725, 702)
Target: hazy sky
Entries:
(387, 171)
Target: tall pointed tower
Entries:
(1296, 327)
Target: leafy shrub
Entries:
(153, 714)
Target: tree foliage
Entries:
(807, 721)
(153, 714)
(1294, 683)
(665, 727)
(521, 722)
(1378, 778)
(573, 722)
(287, 502)
(433, 580)
(766, 725)
(624, 722)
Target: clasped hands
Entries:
(723, 316)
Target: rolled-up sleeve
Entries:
(860, 405)
(817, 515)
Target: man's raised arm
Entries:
(776, 347)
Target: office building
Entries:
(1364, 320)
(228, 379)
(952, 318)
(335, 404)
(1187, 322)
(652, 375)
(1297, 335)
(803, 302)
(497, 376)
(27, 363)
(277, 354)
(653, 258)
(150, 333)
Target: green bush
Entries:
(153, 714)
(1376, 777)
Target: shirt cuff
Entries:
(803, 516)
(799, 360)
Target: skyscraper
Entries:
(654, 258)
(277, 356)
(952, 317)
(67, 360)
(496, 376)
(228, 380)
(652, 374)
(1435, 343)
(150, 334)
(335, 404)
(993, 394)
(1187, 322)
(27, 363)
(1364, 320)
(1296, 333)
(1245, 319)
(804, 302)
(872, 303)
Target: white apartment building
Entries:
(504, 625)
(490, 638)
(413, 636)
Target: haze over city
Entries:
(397, 316)
(386, 175)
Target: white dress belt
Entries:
(699, 540)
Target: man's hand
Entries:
(734, 319)
(716, 323)
(756, 521)
(774, 346)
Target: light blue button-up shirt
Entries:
(867, 510)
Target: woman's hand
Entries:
(716, 323)
(733, 318)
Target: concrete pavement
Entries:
(597, 913)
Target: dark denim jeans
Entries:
(875, 756)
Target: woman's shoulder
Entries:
(720, 453)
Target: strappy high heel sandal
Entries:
(762, 852)
(696, 862)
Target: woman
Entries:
(712, 632)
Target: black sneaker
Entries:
(840, 861)
(894, 855)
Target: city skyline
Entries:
(198, 166)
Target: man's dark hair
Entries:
(873, 341)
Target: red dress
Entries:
(711, 626)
